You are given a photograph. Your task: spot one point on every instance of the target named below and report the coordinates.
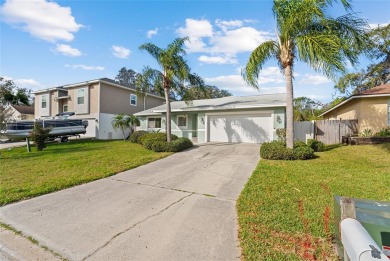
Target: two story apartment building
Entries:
(96, 101)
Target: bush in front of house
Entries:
(39, 135)
(155, 136)
(135, 136)
(316, 145)
(164, 146)
(277, 150)
(385, 132)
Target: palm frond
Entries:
(258, 57)
(153, 50)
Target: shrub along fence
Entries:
(326, 131)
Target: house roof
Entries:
(22, 109)
(105, 80)
(225, 103)
(382, 90)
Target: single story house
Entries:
(371, 108)
(96, 101)
(18, 112)
(252, 119)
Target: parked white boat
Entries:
(60, 128)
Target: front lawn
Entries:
(286, 209)
(61, 165)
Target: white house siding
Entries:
(106, 131)
(44, 112)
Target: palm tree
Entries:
(132, 122)
(121, 121)
(174, 75)
(306, 33)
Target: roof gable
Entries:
(23, 109)
(381, 89)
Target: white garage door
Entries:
(240, 128)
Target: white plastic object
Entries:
(358, 244)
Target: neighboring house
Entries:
(371, 108)
(251, 119)
(18, 112)
(97, 101)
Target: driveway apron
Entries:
(178, 208)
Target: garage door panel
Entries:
(240, 128)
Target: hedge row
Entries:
(158, 141)
(277, 150)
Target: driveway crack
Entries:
(134, 225)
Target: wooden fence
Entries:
(331, 131)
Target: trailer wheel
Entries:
(64, 139)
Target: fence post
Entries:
(348, 210)
(28, 144)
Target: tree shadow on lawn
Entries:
(333, 146)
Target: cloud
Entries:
(120, 52)
(85, 67)
(374, 25)
(25, 83)
(151, 33)
(314, 79)
(223, 40)
(196, 29)
(236, 84)
(42, 19)
(67, 50)
(217, 59)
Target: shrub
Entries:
(39, 135)
(135, 136)
(366, 133)
(164, 146)
(281, 133)
(385, 132)
(316, 145)
(155, 137)
(276, 150)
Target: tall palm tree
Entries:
(175, 73)
(121, 121)
(306, 33)
(132, 122)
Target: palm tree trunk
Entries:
(289, 107)
(168, 117)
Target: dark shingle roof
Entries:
(22, 109)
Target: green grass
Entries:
(61, 165)
(286, 206)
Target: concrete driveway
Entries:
(178, 208)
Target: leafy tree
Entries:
(305, 32)
(175, 75)
(207, 92)
(376, 73)
(122, 122)
(306, 109)
(39, 135)
(126, 76)
(11, 94)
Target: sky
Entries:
(45, 43)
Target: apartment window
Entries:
(133, 99)
(154, 123)
(44, 101)
(65, 108)
(182, 121)
(80, 96)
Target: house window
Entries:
(154, 123)
(80, 96)
(182, 121)
(133, 99)
(44, 102)
(65, 109)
